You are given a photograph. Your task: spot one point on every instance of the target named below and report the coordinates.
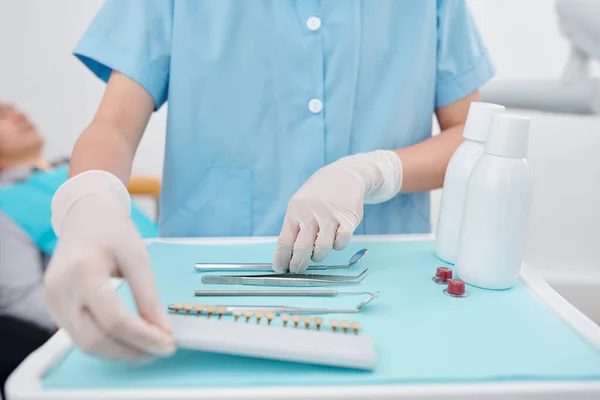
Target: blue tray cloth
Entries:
(422, 335)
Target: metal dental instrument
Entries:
(286, 279)
(204, 267)
(316, 293)
(229, 309)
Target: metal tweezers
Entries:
(286, 279)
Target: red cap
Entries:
(444, 273)
(456, 286)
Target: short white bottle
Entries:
(457, 175)
(497, 206)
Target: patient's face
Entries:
(18, 136)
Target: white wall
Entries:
(38, 73)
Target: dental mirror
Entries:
(356, 258)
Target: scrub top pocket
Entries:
(220, 206)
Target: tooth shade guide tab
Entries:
(270, 316)
(259, 316)
(177, 307)
(345, 325)
(334, 325)
(319, 322)
(307, 322)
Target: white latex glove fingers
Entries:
(134, 263)
(285, 245)
(325, 240)
(303, 247)
(90, 338)
(66, 303)
(119, 324)
(343, 237)
(61, 297)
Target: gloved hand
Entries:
(326, 210)
(97, 241)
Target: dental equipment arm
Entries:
(576, 92)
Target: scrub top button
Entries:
(313, 23)
(315, 106)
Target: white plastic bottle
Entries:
(457, 175)
(497, 206)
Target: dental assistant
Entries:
(310, 120)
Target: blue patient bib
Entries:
(28, 205)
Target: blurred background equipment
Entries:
(576, 91)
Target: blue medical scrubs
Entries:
(263, 93)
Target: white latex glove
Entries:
(97, 241)
(326, 210)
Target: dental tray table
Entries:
(523, 343)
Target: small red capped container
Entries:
(456, 288)
(442, 275)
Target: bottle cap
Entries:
(444, 273)
(479, 120)
(508, 136)
(456, 288)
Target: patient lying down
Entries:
(22, 264)
(27, 240)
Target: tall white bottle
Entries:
(497, 206)
(457, 175)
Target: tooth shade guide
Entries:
(275, 342)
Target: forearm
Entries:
(424, 164)
(111, 140)
(101, 147)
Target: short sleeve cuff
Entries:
(451, 90)
(102, 56)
